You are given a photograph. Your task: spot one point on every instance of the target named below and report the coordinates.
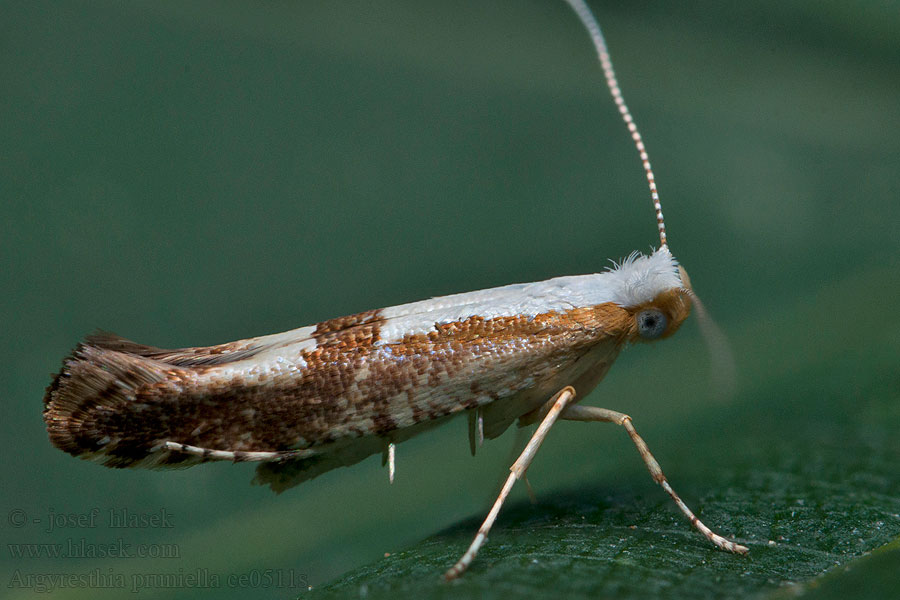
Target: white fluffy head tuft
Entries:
(639, 279)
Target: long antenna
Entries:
(590, 23)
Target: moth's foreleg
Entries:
(517, 471)
(590, 413)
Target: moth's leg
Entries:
(518, 445)
(476, 429)
(392, 454)
(517, 471)
(388, 457)
(236, 456)
(590, 413)
(528, 487)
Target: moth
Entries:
(314, 398)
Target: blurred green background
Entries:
(193, 173)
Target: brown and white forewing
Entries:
(348, 385)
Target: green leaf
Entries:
(874, 575)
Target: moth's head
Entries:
(663, 315)
(656, 293)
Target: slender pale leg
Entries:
(236, 456)
(388, 457)
(476, 429)
(517, 471)
(391, 461)
(590, 413)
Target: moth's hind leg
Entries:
(234, 456)
(591, 413)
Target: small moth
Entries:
(308, 400)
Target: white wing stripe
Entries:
(636, 280)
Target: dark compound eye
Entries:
(651, 323)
